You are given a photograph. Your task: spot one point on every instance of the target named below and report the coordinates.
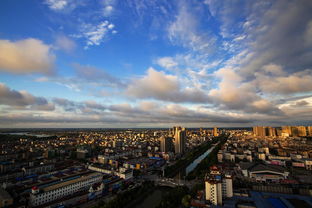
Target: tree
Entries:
(186, 200)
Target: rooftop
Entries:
(67, 183)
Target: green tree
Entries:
(186, 200)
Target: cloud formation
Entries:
(233, 94)
(95, 34)
(56, 4)
(167, 62)
(13, 98)
(64, 43)
(282, 83)
(184, 30)
(160, 86)
(26, 56)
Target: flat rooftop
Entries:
(69, 182)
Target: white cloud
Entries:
(56, 4)
(167, 62)
(282, 83)
(153, 84)
(233, 94)
(108, 7)
(95, 34)
(65, 43)
(26, 56)
(273, 69)
(160, 86)
(184, 31)
(108, 10)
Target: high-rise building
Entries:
(302, 131)
(215, 132)
(310, 130)
(286, 130)
(218, 186)
(272, 132)
(263, 131)
(165, 144)
(179, 135)
(294, 131)
(259, 131)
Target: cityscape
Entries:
(156, 104)
(197, 167)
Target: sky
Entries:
(155, 63)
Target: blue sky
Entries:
(145, 63)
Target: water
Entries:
(194, 164)
(185, 171)
(27, 134)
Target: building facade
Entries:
(40, 196)
(165, 144)
(218, 186)
(179, 139)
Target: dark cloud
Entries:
(301, 103)
(282, 36)
(15, 98)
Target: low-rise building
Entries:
(47, 194)
(122, 172)
(5, 198)
(262, 172)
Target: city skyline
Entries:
(120, 64)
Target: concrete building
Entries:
(302, 131)
(263, 131)
(215, 132)
(102, 159)
(308, 164)
(82, 153)
(220, 156)
(179, 139)
(272, 132)
(309, 130)
(165, 144)
(261, 156)
(259, 131)
(286, 131)
(5, 198)
(218, 186)
(295, 131)
(262, 172)
(38, 169)
(47, 194)
(124, 173)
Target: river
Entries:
(184, 172)
(27, 134)
(154, 198)
(194, 164)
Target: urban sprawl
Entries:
(205, 167)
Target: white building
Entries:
(124, 173)
(40, 196)
(218, 186)
(308, 164)
(220, 156)
(214, 191)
